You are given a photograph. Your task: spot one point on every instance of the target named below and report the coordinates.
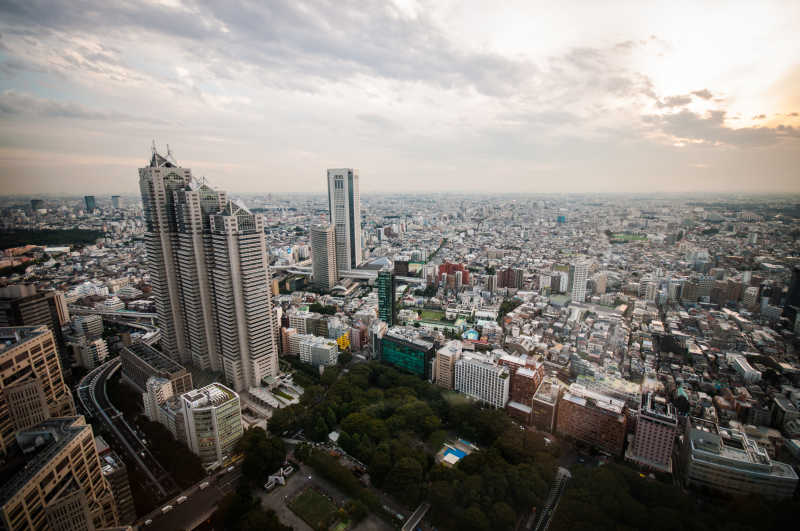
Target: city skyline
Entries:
(687, 98)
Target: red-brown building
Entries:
(592, 418)
(450, 269)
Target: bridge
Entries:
(140, 320)
(357, 274)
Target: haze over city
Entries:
(421, 96)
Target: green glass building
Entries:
(407, 352)
(385, 283)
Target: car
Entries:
(166, 509)
(148, 521)
(204, 485)
(180, 499)
(229, 469)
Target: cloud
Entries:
(759, 117)
(13, 103)
(710, 129)
(704, 94)
(675, 101)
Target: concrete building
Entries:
(318, 351)
(29, 354)
(115, 201)
(27, 404)
(209, 269)
(404, 349)
(592, 418)
(579, 273)
(88, 325)
(323, 257)
(89, 353)
(545, 404)
(656, 429)
(445, 364)
(344, 206)
(386, 296)
(479, 377)
(213, 419)
(69, 512)
(91, 203)
(116, 475)
(140, 362)
(58, 456)
(727, 460)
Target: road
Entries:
(198, 507)
(94, 399)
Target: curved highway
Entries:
(94, 400)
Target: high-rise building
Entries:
(115, 201)
(209, 269)
(58, 459)
(29, 354)
(323, 256)
(116, 475)
(23, 305)
(479, 377)
(140, 362)
(579, 272)
(27, 405)
(386, 296)
(727, 460)
(446, 358)
(37, 204)
(545, 404)
(213, 419)
(344, 205)
(404, 349)
(91, 204)
(656, 429)
(592, 418)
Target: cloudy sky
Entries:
(262, 96)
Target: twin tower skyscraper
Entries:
(209, 268)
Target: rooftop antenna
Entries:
(169, 154)
(153, 148)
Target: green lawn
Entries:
(433, 315)
(624, 236)
(313, 508)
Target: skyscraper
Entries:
(115, 201)
(386, 295)
(344, 205)
(209, 269)
(91, 204)
(323, 256)
(213, 420)
(579, 272)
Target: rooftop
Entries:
(154, 358)
(214, 395)
(16, 335)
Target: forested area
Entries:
(395, 422)
(614, 497)
(20, 237)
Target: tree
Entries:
(404, 480)
(263, 455)
(356, 510)
(503, 516)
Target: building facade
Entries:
(323, 257)
(406, 351)
(140, 362)
(29, 354)
(213, 420)
(344, 206)
(656, 429)
(386, 296)
(592, 418)
(446, 358)
(480, 378)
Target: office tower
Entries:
(727, 460)
(115, 201)
(27, 405)
(448, 271)
(386, 296)
(209, 268)
(509, 278)
(578, 273)
(477, 376)
(60, 459)
(116, 475)
(23, 305)
(140, 362)
(592, 418)
(29, 354)
(37, 204)
(656, 428)
(344, 205)
(323, 257)
(404, 349)
(91, 204)
(213, 420)
(243, 300)
(317, 351)
(446, 358)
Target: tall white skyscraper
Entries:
(344, 205)
(209, 269)
(579, 272)
(323, 256)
